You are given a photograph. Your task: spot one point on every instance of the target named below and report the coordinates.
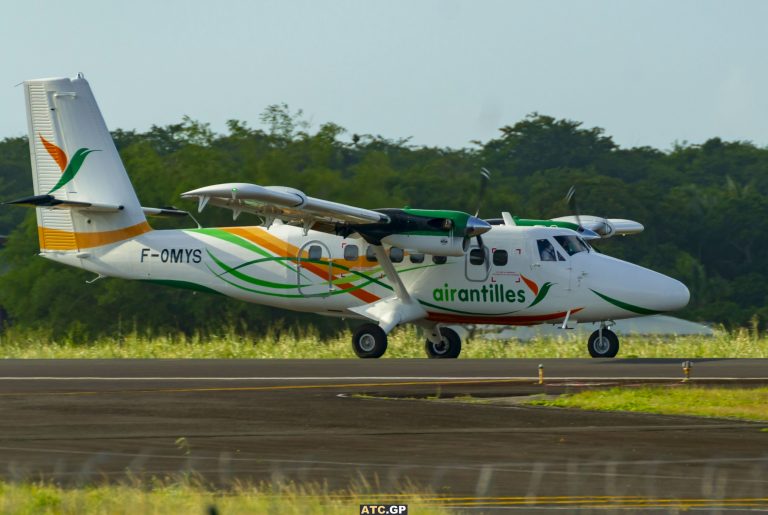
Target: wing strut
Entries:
(397, 309)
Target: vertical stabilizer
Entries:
(75, 160)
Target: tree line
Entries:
(703, 206)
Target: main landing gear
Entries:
(603, 343)
(370, 341)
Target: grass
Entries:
(45, 498)
(740, 403)
(403, 343)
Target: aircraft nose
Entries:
(676, 295)
(660, 293)
(638, 290)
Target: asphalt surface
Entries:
(343, 422)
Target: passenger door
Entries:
(477, 265)
(314, 270)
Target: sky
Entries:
(441, 72)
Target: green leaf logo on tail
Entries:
(68, 169)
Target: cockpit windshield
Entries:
(547, 251)
(572, 244)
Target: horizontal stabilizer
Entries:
(165, 212)
(55, 203)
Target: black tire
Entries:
(449, 347)
(608, 347)
(369, 341)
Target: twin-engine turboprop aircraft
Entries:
(388, 267)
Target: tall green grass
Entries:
(403, 343)
(188, 498)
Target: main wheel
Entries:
(449, 346)
(605, 346)
(369, 341)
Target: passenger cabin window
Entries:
(396, 255)
(547, 251)
(439, 260)
(416, 258)
(351, 252)
(500, 257)
(315, 252)
(370, 255)
(572, 244)
(477, 256)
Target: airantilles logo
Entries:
(492, 293)
(69, 168)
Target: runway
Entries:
(347, 421)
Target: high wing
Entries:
(279, 202)
(604, 227)
(438, 232)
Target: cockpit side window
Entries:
(547, 251)
(572, 244)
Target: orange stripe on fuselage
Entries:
(56, 239)
(277, 246)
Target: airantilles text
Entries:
(488, 293)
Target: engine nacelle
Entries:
(436, 245)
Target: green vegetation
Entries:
(703, 206)
(43, 499)
(403, 343)
(741, 403)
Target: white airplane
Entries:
(388, 267)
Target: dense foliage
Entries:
(703, 207)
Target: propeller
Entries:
(573, 206)
(570, 199)
(485, 179)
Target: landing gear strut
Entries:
(448, 347)
(603, 343)
(369, 341)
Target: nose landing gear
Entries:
(449, 345)
(603, 343)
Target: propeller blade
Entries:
(570, 198)
(485, 178)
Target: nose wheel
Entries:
(449, 345)
(603, 344)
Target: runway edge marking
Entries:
(376, 378)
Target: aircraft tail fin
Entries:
(83, 196)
